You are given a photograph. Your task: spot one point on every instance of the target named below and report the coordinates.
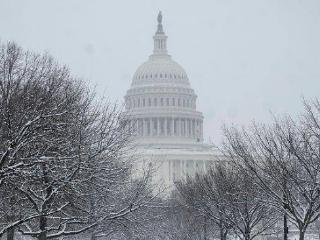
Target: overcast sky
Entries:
(244, 58)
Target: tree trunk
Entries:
(205, 229)
(285, 227)
(10, 234)
(93, 236)
(42, 225)
(247, 235)
(301, 234)
(223, 232)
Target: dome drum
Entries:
(181, 128)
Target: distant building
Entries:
(162, 107)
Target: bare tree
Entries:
(284, 158)
(204, 197)
(244, 209)
(64, 158)
(229, 198)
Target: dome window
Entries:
(155, 102)
(149, 102)
(173, 101)
(144, 102)
(174, 76)
(156, 75)
(167, 102)
(150, 75)
(165, 75)
(161, 101)
(160, 75)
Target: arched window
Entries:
(155, 102)
(149, 102)
(173, 101)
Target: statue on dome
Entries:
(160, 28)
(160, 17)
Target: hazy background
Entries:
(243, 58)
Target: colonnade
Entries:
(168, 126)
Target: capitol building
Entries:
(161, 106)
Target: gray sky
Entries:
(243, 58)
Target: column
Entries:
(183, 129)
(187, 127)
(153, 126)
(198, 129)
(158, 126)
(149, 127)
(145, 133)
(165, 126)
(201, 130)
(172, 127)
(162, 126)
(193, 128)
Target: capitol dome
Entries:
(160, 102)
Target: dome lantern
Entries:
(160, 39)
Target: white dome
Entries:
(160, 69)
(160, 102)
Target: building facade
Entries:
(161, 105)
